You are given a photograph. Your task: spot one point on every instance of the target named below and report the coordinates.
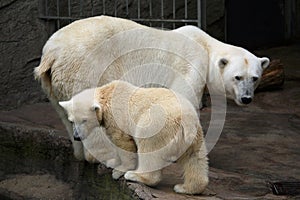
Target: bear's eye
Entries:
(238, 78)
(254, 78)
(84, 121)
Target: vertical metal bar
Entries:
(81, 8)
(103, 7)
(150, 11)
(115, 7)
(185, 10)
(57, 13)
(127, 9)
(203, 14)
(139, 9)
(46, 8)
(174, 13)
(69, 10)
(43, 8)
(162, 13)
(199, 12)
(226, 20)
(92, 4)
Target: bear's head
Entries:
(241, 72)
(81, 110)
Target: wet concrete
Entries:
(259, 144)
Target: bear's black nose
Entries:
(77, 138)
(246, 100)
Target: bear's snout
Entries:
(246, 100)
(76, 138)
(76, 134)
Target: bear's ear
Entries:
(64, 104)
(96, 107)
(264, 62)
(222, 62)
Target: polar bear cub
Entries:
(159, 124)
(81, 112)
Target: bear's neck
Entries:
(215, 50)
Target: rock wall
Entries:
(22, 37)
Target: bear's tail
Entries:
(42, 73)
(44, 68)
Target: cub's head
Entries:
(81, 111)
(241, 73)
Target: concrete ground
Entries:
(259, 144)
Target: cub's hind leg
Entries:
(195, 172)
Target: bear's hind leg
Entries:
(195, 173)
(148, 178)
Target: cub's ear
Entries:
(223, 62)
(97, 108)
(65, 104)
(264, 62)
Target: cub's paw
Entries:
(117, 174)
(179, 188)
(131, 176)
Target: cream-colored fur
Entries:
(81, 111)
(95, 51)
(162, 126)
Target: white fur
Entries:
(94, 51)
(154, 125)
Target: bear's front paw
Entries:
(179, 188)
(117, 174)
(131, 176)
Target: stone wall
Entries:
(22, 37)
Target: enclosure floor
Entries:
(259, 143)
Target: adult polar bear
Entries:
(94, 51)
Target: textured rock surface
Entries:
(22, 38)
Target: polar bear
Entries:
(94, 51)
(164, 127)
(100, 147)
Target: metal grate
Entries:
(285, 188)
(168, 14)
